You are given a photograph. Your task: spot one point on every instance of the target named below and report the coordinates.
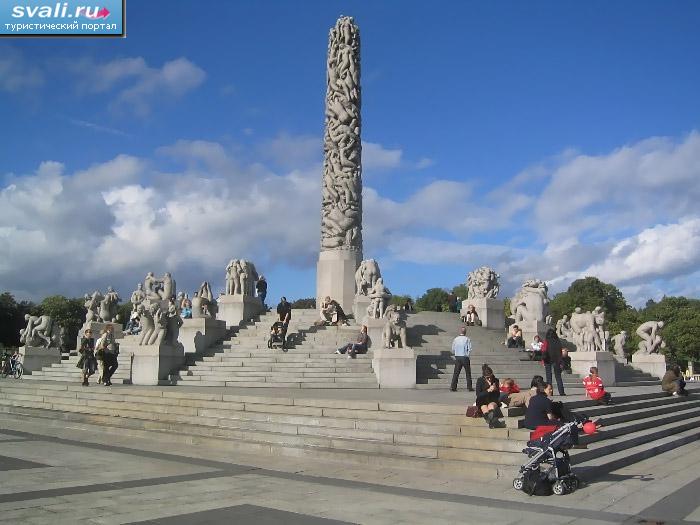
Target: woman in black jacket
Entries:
(552, 358)
(487, 395)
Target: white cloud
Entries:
(139, 85)
(293, 151)
(16, 73)
(375, 156)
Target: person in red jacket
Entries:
(594, 387)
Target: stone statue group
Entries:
(369, 283)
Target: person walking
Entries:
(110, 350)
(461, 348)
(261, 288)
(552, 358)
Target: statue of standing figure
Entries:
(109, 306)
(619, 341)
(92, 304)
(395, 328)
(588, 330)
(379, 297)
(203, 303)
(241, 277)
(137, 296)
(651, 342)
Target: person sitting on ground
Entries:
(87, 361)
(277, 334)
(487, 396)
(594, 387)
(673, 382)
(522, 398)
(515, 340)
(332, 313)
(536, 348)
(539, 410)
(508, 387)
(472, 318)
(358, 347)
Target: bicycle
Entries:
(12, 367)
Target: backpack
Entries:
(536, 483)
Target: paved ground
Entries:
(50, 476)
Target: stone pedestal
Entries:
(152, 363)
(490, 312)
(581, 363)
(35, 358)
(234, 309)
(375, 330)
(335, 276)
(395, 367)
(359, 307)
(196, 335)
(652, 364)
(97, 331)
(530, 330)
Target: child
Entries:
(594, 387)
(277, 334)
(508, 387)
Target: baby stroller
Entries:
(277, 336)
(548, 467)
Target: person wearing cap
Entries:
(261, 289)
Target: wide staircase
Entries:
(310, 360)
(415, 429)
(431, 335)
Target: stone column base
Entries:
(530, 330)
(375, 331)
(196, 335)
(652, 364)
(35, 358)
(235, 309)
(359, 307)
(395, 367)
(152, 363)
(581, 362)
(335, 277)
(490, 312)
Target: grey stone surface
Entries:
(335, 276)
(379, 296)
(236, 309)
(490, 311)
(241, 277)
(619, 341)
(394, 329)
(482, 283)
(34, 358)
(588, 330)
(366, 276)
(531, 303)
(41, 331)
(243, 515)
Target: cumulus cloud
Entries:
(16, 72)
(376, 156)
(138, 84)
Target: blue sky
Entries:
(546, 139)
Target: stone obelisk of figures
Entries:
(341, 201)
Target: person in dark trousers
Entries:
(461, 348)
(539, 410)
(110, 351)
(261, 288)
(488, 395)
(284, 311)
(552, 358)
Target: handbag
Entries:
(473, 411)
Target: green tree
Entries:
(68, 313)
(12, 318)
(400, 300)
(681, 331)
(433, 300)
(124, 312)
(309, 302)
(460, 291)
(587, 293)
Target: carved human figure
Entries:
(40, 331)
(231, 277)
(108, 306)
(395, 328)
(366, 276)
(152, 286)
(380, 297)
(92, 304)
(137, 296)
(482, 283)
(342, 183)
(651, 342)
(619, 341)
(167, 287)
(531, 303)
(563, 328)
(584, 331)
(147, 322)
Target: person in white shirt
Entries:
(461, 348)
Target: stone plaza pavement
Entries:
(65, 475)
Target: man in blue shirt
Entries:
(461, 348)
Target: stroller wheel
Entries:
(559, 488)
(518, 483)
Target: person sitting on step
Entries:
(594, 387)
(515, 340)
(358, 347)
(471, 318)
(487, 396)
(673, 382)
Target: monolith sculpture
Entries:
(341, 200)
